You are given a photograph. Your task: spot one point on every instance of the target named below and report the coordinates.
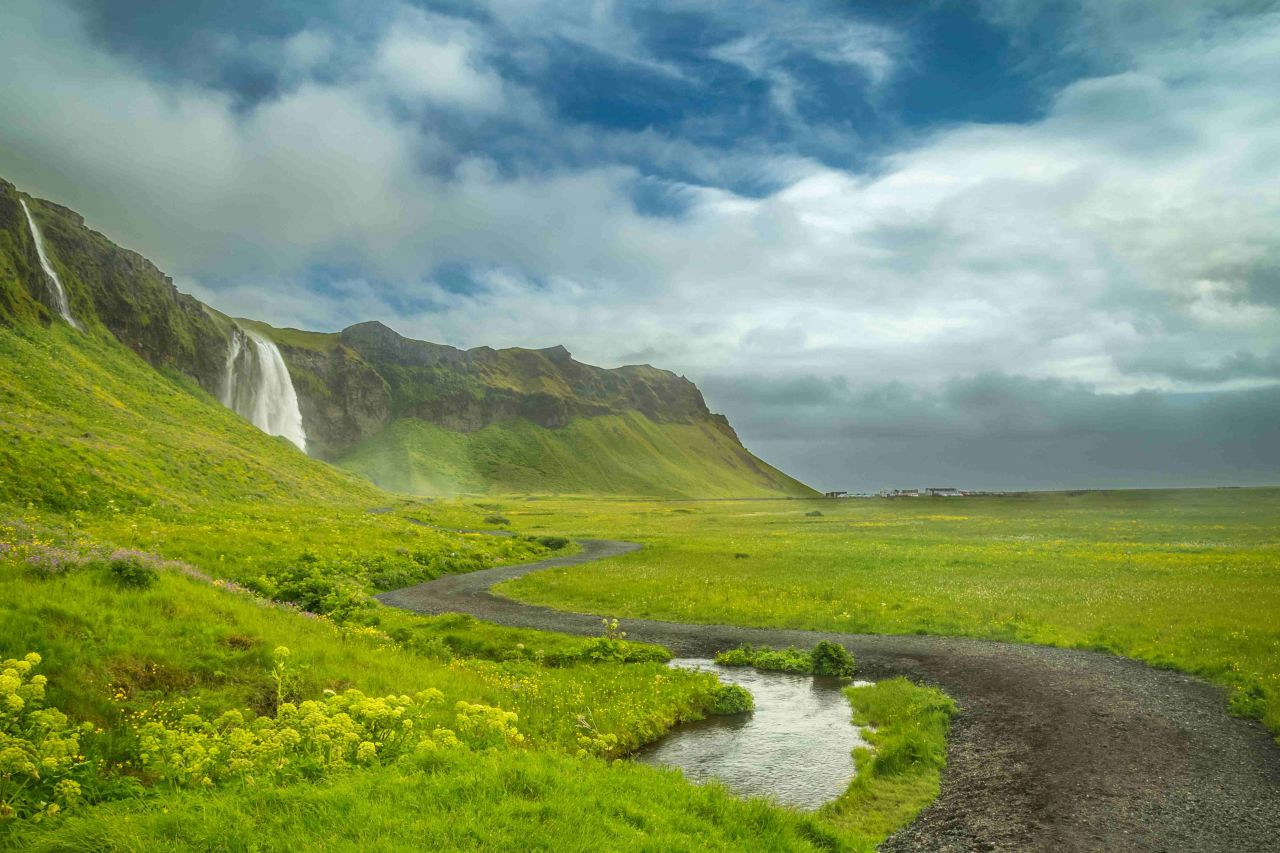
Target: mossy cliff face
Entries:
(491, 420)
(106, 286)
(467, 390)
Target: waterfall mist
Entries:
(50, 274)
(258, 387)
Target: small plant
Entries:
(611, 647)
(816, 513)
(831, 659)
(132, 569)
(280, 674)
(496, 519)
(554, 543)
(732, 699)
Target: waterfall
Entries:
(258, 388)
(59, 294)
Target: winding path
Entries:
(1054, 749)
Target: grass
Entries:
(89, 426)
(100, 450)
(902, 772)
(610, 454)
(112, 650)
(518, 801)
(1183, 579)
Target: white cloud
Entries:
(427, 56)
(1136, 217)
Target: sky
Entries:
(1012, 244)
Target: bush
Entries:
(554, 543)
(817, 513)
(496, 519)
(832, 659)
(132, 569)
(732, 699)
(317, 588)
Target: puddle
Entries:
(796, 747)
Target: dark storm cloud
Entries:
(1004, 432)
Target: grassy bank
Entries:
(1185, 579)
(902, 772)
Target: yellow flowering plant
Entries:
(40, 753)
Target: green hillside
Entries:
(611, 454)
(86, 424)
(412, 416)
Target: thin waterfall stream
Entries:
(59, 293)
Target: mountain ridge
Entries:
(355, 385)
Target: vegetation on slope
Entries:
(1183, 579)
(87, 425)
(612, 454)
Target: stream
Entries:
(795, 748)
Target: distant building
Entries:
(834, 494)
(944, 492)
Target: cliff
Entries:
(410, 415)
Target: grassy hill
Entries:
(410, 415)
(625, 454)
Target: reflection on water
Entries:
(795, 747)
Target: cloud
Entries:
(437, 59)
(1112, 255)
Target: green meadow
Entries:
(191, 655)
(1183, 579)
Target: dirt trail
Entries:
(1054, 749)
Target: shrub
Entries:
(132, 569)
(496, 519)
(46, 561)
(832, 659)
(486, 727)
(316, 587)
(817, 513)
(41, 764)
(554, 543)
(732, 699)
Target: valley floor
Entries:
(1055, 749)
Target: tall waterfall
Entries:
(258, 388)
(59, 294)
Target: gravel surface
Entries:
(1054, 749)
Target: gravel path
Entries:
(1054, 749)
